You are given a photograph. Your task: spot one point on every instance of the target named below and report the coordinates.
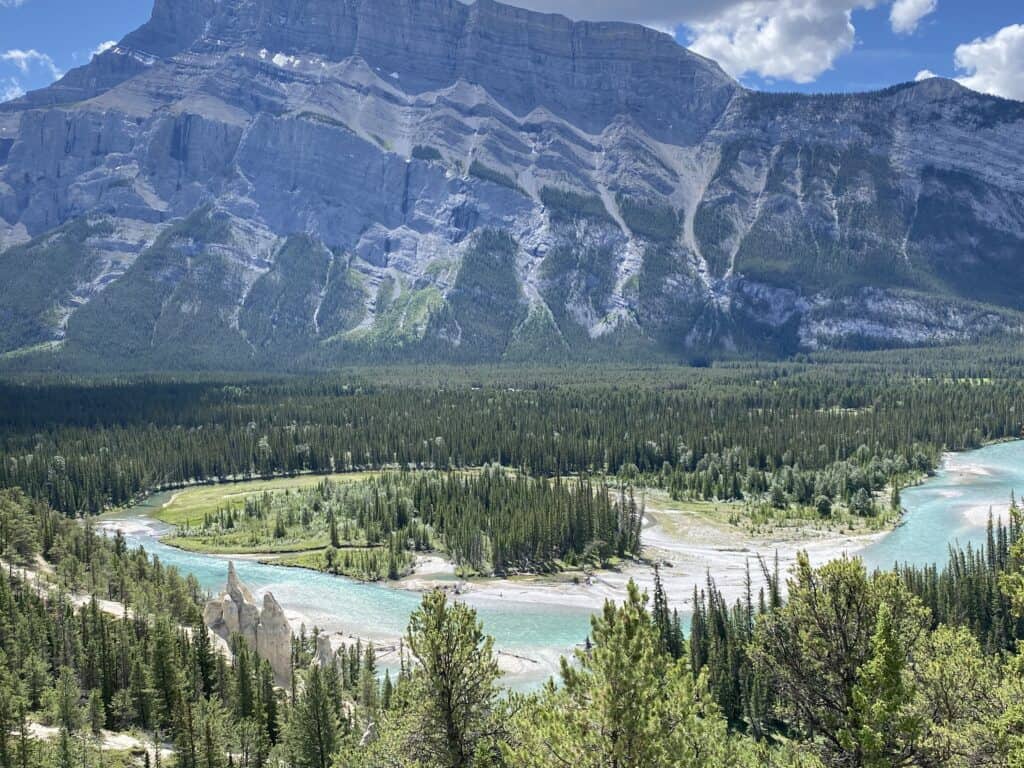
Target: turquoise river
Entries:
(951, 507)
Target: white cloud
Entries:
(11, 4)
(34, 69)
(794, 40)
(924, 74)
(10, 89)
(907, 14)
(102, 47)
(781, 39)
(25, 61)
(994, 64)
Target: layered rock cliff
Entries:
(245, 183)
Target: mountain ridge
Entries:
(253, 182)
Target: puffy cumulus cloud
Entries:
(32, 69)
(994, 64)
(27, 61)
(102, 47)
(924, 74)
(780, 39)
(905, 15)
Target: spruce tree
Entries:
(455, 680)
(313, 729)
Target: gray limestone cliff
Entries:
(252, 183)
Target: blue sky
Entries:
(806, 45)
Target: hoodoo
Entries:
(234, 611)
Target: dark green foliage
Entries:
(719, 433)
(537, 338)
(565, 205)
(427, 153)
(486, 173)
(487, 521)
(281, 309)
(497, 522)
(38, 278)
(86, 669)
(166, 309)
(313, 730)
(670, 310)
(715, 230)
(868, 234)
(582, 276)
(945, 228)
(649, 219)
(486, 303)
(456, 681)
(966, 593)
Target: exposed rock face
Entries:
(266, 631)
(249, 182)
(274, 639)
(325, 656)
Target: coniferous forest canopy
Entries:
(509, 470)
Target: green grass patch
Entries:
(189, 506)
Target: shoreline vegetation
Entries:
(696, 471)
(198, 514)
(743, 670)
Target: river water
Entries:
(951, 507)
(538, 633)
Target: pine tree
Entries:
(212, 751)
(624, 703)
(455, 680)
(368, 681)
(666, 622)
(204, 658)
(313, 729)
(96, 714)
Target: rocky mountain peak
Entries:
(246, 183)
(585, 72)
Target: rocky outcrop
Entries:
(274, 639)
(235, 612)
(325, 656)
(246, 183)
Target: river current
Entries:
(950, 508)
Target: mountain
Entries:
(302, 183)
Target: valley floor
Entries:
(685, 541)
(689, 541)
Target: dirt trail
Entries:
(109, 740)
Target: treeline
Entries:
(84, 560)
(501, 522)
(849, 669)
(488, 521)
(809, 432)
(770, 677)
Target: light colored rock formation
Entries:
(234, 611)
(274, 639)
(325, 655)
(369, 735)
